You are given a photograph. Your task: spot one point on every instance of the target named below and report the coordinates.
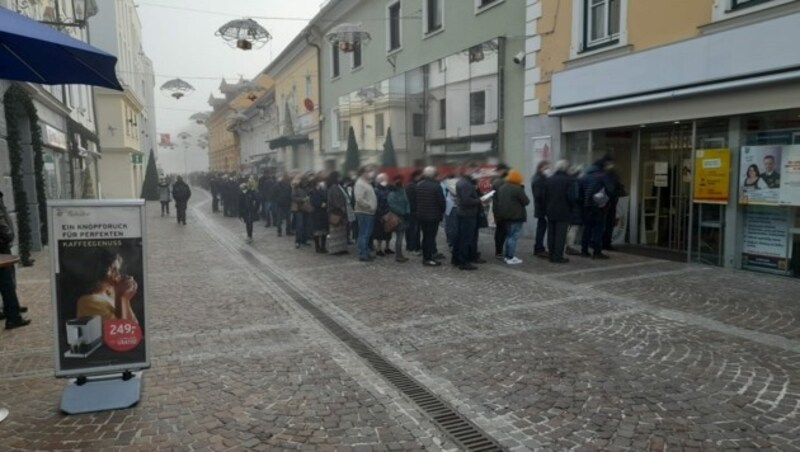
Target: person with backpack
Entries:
(181, 194)
(513, 202)
(164, 196)
(597, 189)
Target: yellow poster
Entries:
(712, 174)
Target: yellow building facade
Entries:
(295, 73)
(657, 86)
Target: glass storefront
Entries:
(759, 154)
(56, 174)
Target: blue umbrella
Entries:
(33, 52)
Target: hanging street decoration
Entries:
(176, 88)
(200, 118)
(348, 36)
(245, 34)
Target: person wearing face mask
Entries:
(537, 187)
(465, 252)
(380, 236)
(399, 205)
(366, 203)
(319, 217)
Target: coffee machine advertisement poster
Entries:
(98, 259)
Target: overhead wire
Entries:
(291, 19)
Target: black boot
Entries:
(317, 247)
(323, 244)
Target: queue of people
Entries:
(373, 210)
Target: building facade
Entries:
(697, 102)
(127, 118)
(440, 77)
(296, 75)
(67, 120)
(223, 142)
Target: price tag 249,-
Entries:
(121, 335)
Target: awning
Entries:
(33, 52)
(287, 141)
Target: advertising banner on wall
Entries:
(766, 239)
(712, 169)
(770, 175)
(98, 260)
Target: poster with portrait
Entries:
(759, 177)
(98, 260)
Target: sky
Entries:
(178, 35)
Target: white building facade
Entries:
(127, 119)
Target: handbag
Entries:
(390, 222)
(335, 219)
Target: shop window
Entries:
(394, 38)
(601, 23)
(477, 108)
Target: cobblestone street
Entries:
(626, 354)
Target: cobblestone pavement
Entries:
(628, 354)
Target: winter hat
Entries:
(514, 177)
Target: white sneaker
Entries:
(514, 261)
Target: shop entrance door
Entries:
(665, 186)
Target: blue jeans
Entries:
(464, 251)
(8, 290)
(541, 230)
(512, 235)
(594, 224)
(365, 225)
(451, 228)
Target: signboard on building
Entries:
(99, 290)
(712, 168)
(770, 175)
(766, 239)
(53, 137)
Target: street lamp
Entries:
(82, 10)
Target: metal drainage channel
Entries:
(464, 433)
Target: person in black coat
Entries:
(593, 183)
(181, 194)
(465, 253)
(12, 311)
(249, 206)
(430, 210)
(319, 217)
(558, 205)
(539, 208)
(576, 217)
(282, 199)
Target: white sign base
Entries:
(101, 393)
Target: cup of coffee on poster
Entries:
(760, 178)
